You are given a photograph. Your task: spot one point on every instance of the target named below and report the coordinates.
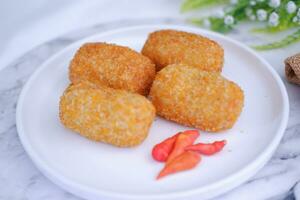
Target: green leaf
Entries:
(219, 26)
(273, 29)
(195, 4)
(198, 22)
(294, 37)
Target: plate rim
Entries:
(81, 189)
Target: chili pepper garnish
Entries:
(183, 140)
(185, 161)
(161, 151)
(207, 149)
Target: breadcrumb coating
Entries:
(114, 66)
(196, 98)
(108, 115)
(167, 47)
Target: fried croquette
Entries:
(100, 113)
(114, 66)
(167, 47)
(196, 98)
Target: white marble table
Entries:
(19, 179)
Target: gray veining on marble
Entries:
(19, 179)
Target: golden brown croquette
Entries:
(114, 66)
(196, 98)
(100, 113)
(165, 47)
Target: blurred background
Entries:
(26, 24)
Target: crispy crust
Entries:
(196, 98)
(104, 114)
(114, 66)
(167, 47)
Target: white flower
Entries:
(291, 7)
(252, 3)
(273, 19)
(228, 20)
(206, 23)
(249, 12)
(233, 2)
(295, 19)
(261, 14)
(219, 14)
(252, 17)
(274, 3)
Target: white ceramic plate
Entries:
(99, 171)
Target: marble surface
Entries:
(19, 178)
